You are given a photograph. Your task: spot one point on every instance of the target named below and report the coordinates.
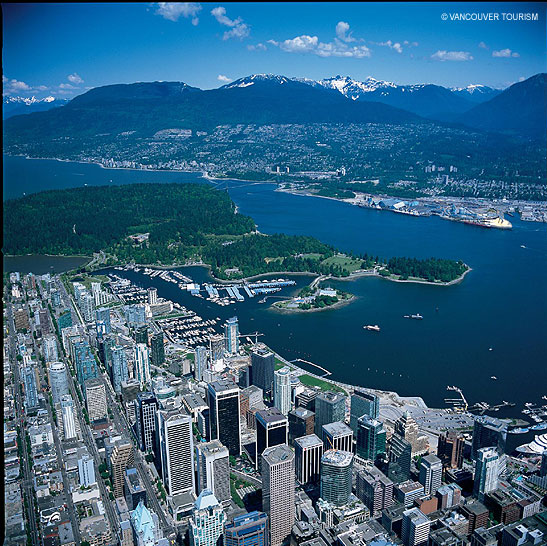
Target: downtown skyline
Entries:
(64, 50)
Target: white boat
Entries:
(373, 328)
(493, 377)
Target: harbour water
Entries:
(491, 324)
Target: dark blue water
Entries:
(501, 304)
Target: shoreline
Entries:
(296, 310)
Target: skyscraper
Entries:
(216, 347)
(282, 390)
(146, 526)
(146, 407)
(400, 458)
(278, 491)
(223, 402)
(157, 349)
(431, 473)
(450, 449)
(86, 367)
(86, 471)
(200, 362)
(207, 521)
(308, 451)
(58, 380)
(120, 458)
(152, 295)
(142, 364)
(271, 429)
(329, 407)
(363, 403)
(375, 490)
(488, 432)
(371, 438)
(177, 451)
(247, 530)
(486, 471)
(338, 436)
(120, 372)
(336, 476)
(407, 427)
(415, 528)
(31, 393)
(51, 353)
(102, 321)
(301, 423)
(95, 399)
(70, 422)
(263, 364)
(213, 468)
(231, 336)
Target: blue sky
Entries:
(64, 49)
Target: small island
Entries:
(314, 299)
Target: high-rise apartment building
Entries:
(278, 498)
(282, 390)
(375, 490)
(146, 407)
(58, 380)
(51, 352)
(142, 364)
(120, 371)
(70, 423)
(487, 464)
(120, 457)
(336, 476)
(231, 336)
(200, 362)
(95, 399)
(86, 366)
(213, 468)
(431, 473)
(415, 528)
(488, 432)
(207, 521)
(263, 364)
(157, 349)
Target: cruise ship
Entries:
(537, 447)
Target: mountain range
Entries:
(145, 108)
(14, 106)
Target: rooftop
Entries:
(308, 441)
(337, 457)
(270, 415)
(278, 454)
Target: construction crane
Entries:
(254, 334)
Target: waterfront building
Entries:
(543, 469)
(263, 364)
(86, 471)
(375, 490)
(207, 521)
(200, 362)
(487, 464)
(278, 496)
(363, 403)
(488, 432)
(306, 399)
(400, 459)
(152, 296)
(329, 407)
(70, 423)
(216, 347)
(213, 469)
(231, 336)
(95, 399)
(308, 451)
(282, 390)
(146, 407)
(120, 371)
(336, 476)
(87, 305)
(338, 436)
(146, 527)
(157, 349)
(271, 429)
(120, 457)
(176, 443)
(102, 321)
(134, 490)
(415, 528)
(407, 427)
(247, 530)
(142, 364)
(301, 423)
(58, 380)
(450, 449)
(224, 417)
(431, 473)
(86, 366)
(51, 352)
(371, 438)
(135, 315)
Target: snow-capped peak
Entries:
(255, 78)
(26, 100)
(350, 88)
(473, 88)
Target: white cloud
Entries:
(482, 45)
(174, 10)
(393, 45)
(521, 79)
(238, 28)
(67, 86)
(505, 53)
(257, 47)
(222, 78)
(342, 29)
(74, 78)
(442, 55)
(14, 87)
(311, 44)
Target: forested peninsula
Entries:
(177, 224)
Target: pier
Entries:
(326, 372)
